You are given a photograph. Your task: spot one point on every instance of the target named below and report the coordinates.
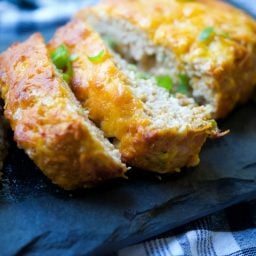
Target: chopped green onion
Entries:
(110, 42)
(98, 57)
(164, 81)
(68, 72)
(60, 56)
(73, 57)
(132, 67)
(138, 74)
(63, 61)
(206, 34)
(183, 84)
(66, 77)
(209, 32)
(223, 34)
(143, 75)
(214, 124)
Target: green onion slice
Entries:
(63, 61)
(143, 75)
(68, 72)
(60, 56)
(183, 84)
(138, 74)
(164, 81)
(206, 34)
(223, 34)
(132, 67)
(73, 57)
(98, 57)
(209, 32)
(214, 124)
(66, 77)
(110, 42)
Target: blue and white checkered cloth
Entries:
(228, 233)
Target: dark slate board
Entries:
(38, 218)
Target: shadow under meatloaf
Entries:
(211, 42)
(152, 129)
(3, 140)
(49, 123)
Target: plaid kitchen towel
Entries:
(228, 233)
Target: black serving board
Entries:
(38, 218)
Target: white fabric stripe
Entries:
(160, 247)
(192, 238)
(148, 248)
(173, 246)
(156, 248)
(163, 247)
(151, 247)
(224, 243)
(204, 237)
(209, 238)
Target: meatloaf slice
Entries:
(49, 123)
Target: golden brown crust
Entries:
(47, 120)
(104, 90)
(228, 63)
